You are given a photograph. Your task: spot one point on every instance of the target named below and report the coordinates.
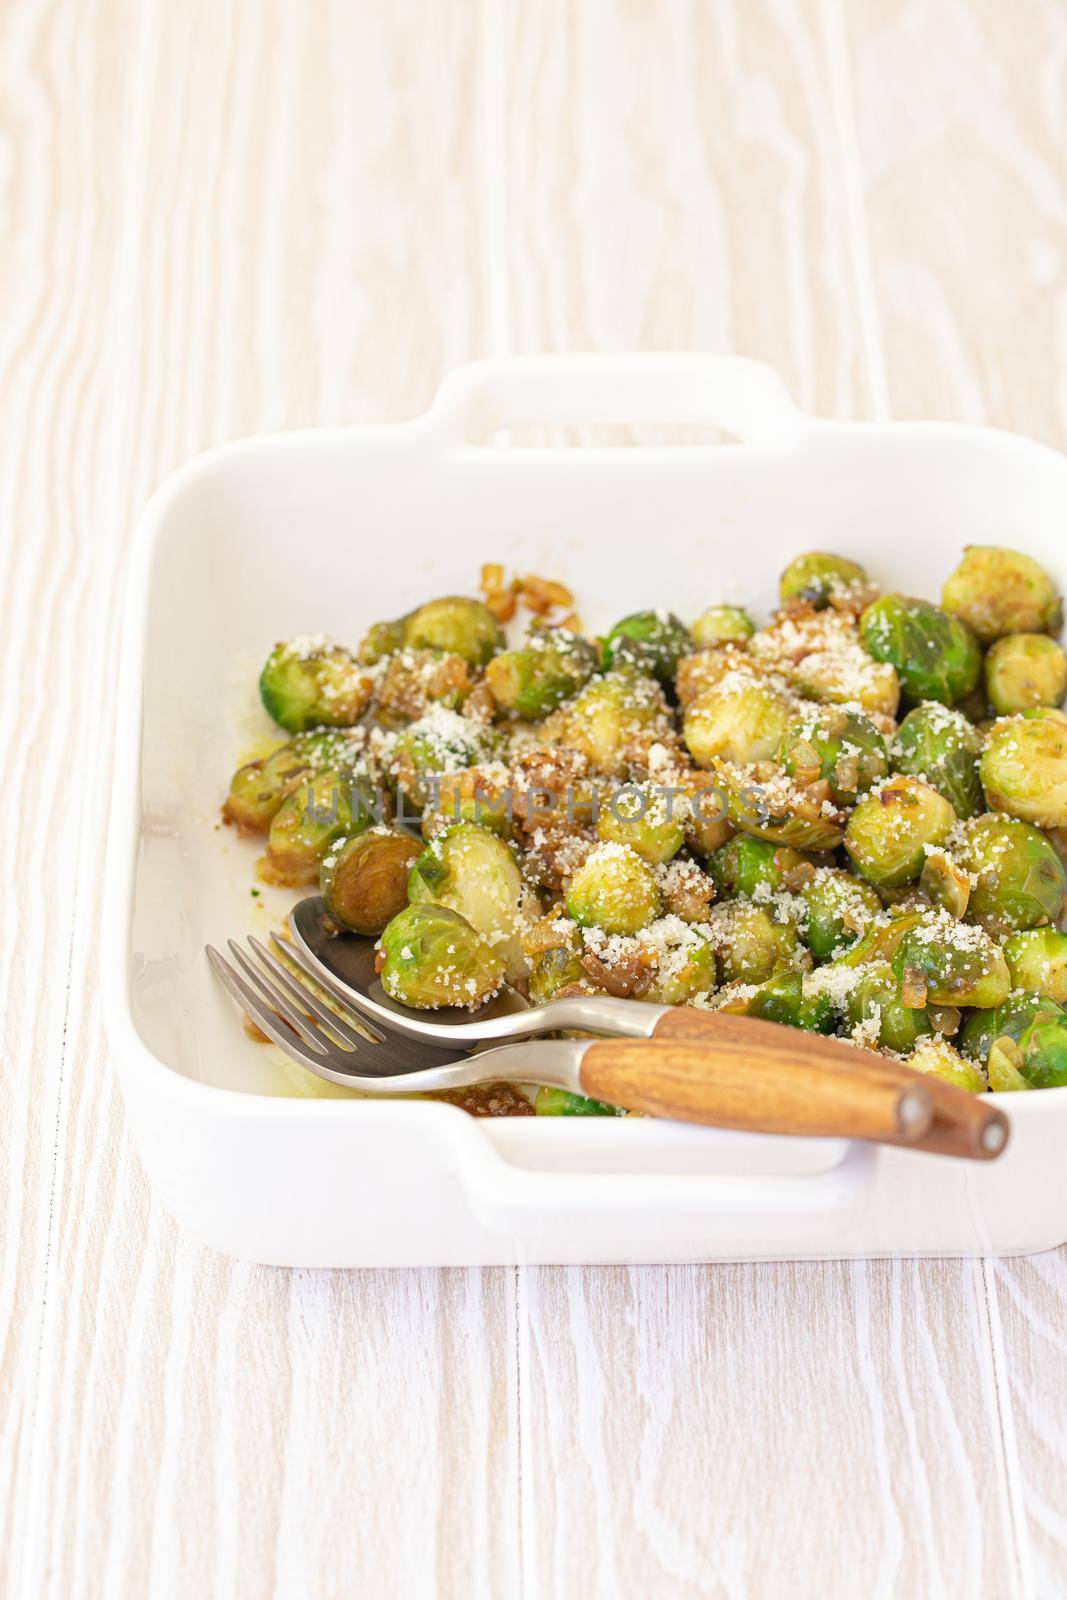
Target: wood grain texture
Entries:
(219, 218)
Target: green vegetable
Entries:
(441, 743)
(784, 813)
(561, 1103)
(614, 890)
(839, 908)
(458, 626)
(718, 624)
(937, 1058)
(936, 656)
(887, 833)
(382, 639)
(551, 667)
(1037, 960)
(364, 880)
(875, 1004)
(837, 744)
(745, 865)
(474, 872)
(652, 641)
(686, 965)
(312, 819)
(646, 819)
(781, 998)
(1003, 1068)
(741, 719)
(751, 945)
(817, 577)
(431, 957)
(1018, 879)
(312, 683)
(956, 964)
(1043, 1048)
(940, 746)
(1024, 769)
(258, 789)
(615, 712)
(982, 1029)
(998, 591)
(559, 967)
(1024, 671)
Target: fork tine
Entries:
(297, 956)
(292, 983)
(262, 1015)
(297, 1020)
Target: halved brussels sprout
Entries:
(889, 830)
(614, 890)
(382, 639)
(312, 819)
(839, 908)
(561, 1103)
(882, 939)
(438, 744)
(364, 881)
(784, 997)
(707, 827)
(476, 794)
(982, 1029)
(746, 865)
(837, 744)
(651, 641)
(940, 746)
(551, 667)
(555, 965)
(1043, 1052)
(685, 964)
(944, 883)
(456, 625)
(475, 873)
(314, 683)
(742, 719)
(430, 956)
(1023, 671)
(1018, 880)
(1002, 1068)
(751, 945)
(258, 789)
(773, 806)
(1037, 960)
(720, 624)
(817, 577)
(936, 656)
(646, 818)
(998, 591)
(953, 964)
(876, 1013)
(937, 1058)
(1024, 769)
(615, 712)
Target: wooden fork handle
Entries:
(773, 1067)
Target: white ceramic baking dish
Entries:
(330, 530)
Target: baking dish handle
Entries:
(745, 398)
(534, 1205)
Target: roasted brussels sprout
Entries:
(939, 1059)
(475, 873)
(551, 667)
(720, 624)
(475, 794)
(742, 719)
(747, 866)
(1002, 1068)
(785, 997)
(838, 910)
(1043, 1052)
(775, 807)
(382, 639)
(940, 746)
(364, 881)
(817, 577)
(837, 744)
(312, 819)
(1023, 671)
(945, 962)
(415, 680)
(875, 1011)
(430, 956)
(652, 641)
(438, 744)
(258, 789)
(458, 626)
(555, 964)
(1037, 960)
(998, 591)
(1024, 769)
(982, 1029)
(683, 962)
(561, 1103)
(944, 882)
(751, 945)
(889, 830)
(936, 656)
(615, 713)
(1018, 880)
(647, 819)
(614, 890)
(314, 683)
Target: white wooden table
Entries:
(219, 216)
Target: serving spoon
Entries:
(755, 1062)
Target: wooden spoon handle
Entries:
(963, 1124)
(762, 1091)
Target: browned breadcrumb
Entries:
(489, 1100)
